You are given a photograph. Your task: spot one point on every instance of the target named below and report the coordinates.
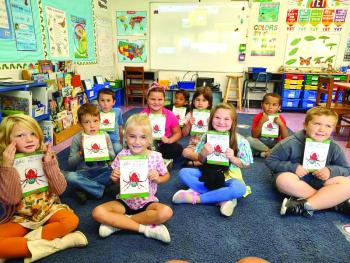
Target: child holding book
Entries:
(88, 177)
(145, 215)
(106, 101)
(309, 191)
(180, 105)
(223, 118)
(202, 100)
(36, 224)
(263, 143)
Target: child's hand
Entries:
(165, 140)
(81, 150)
(301, 171)
(153, 176)
(278, 121)
(115, 176)
(49, 154)
(192, 120)
(264, 118)
(8, 156)
(322, 174)
(230, 154)
(207, 149)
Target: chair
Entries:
(258, 84)
(234, 85)
(135, 86)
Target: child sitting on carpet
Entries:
(145, 215)
(223, 118)
(324, 188)
(271, 105)
(168, 145)
(106, 101)
(181, 100)
(202, 100)
(35, 224)
(88, 177)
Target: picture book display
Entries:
(134, 176)
(158, 125)
(270, 128)
(315, 154)
(180, 113)
(95, 147)
(220, 142)
(107, 121)
(200, 124)
(31, 172)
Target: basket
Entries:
(186, 85)
(256, 69)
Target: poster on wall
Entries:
(5, 25)
(104, 42)
(131, 51)
(318, 4)
(58, 33)
(131, 23)
(264, 40)
(347, 50)
(311, 50)
(80, 37)
(268, 12)
(22, 17)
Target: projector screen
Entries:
(197, 36)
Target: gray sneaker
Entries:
(292, 206)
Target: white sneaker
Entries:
(159, 232)
(227, 207)
(168, 163)
(106, 230)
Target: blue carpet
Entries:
(200, 234)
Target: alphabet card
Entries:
(107, 121)
(95, 147)
(220, 142)
(270, 128)
(158, 125)
(31, 172)
(180, 113)
(134, 176)
(315, 154)
(201, 118)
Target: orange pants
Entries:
(13, 244)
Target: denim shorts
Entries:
(310, 179)
(130, 211)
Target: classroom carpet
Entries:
(200, 234)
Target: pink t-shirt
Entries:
(170, 120)
(155, 162)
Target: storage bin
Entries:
(294, 76)
(294, 81)
(311, 77)
(38, 111)
(325, 96)
(310, 87)
(307, 104)
(291, 86)
(116, 84)
(310, 94)
(256, 69)
(186, 85)
(291, 94)
(290, 103)
(119, 97)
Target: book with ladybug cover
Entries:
(31, 172)
(270, 129)
(107, 121)
(220, 142)
(201, 119)
(95, 147)
(158, 125)
(315, 154)
(134, 176)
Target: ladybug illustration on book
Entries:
(31, 175)
(156, 129)
(313, 159)
(106, 122)
(134, 181)
(95, 148)
(217, 150)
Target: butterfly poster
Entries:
(95, 147)
(220, 142)
(107, 122)
(311, 50)
(269, 128)
(31, 172)
(158, 125)
(315, 154)
(201, 119)
(180, 113)
(133, 176)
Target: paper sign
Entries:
(220, 142)
(315, 154)
(134, 176)
(107, 121)
(201, 118)
(158, 125)
(95, 147)
(31, 173)
(180, 113)
(270, 128)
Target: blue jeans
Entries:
(232, 189)
(92, 181)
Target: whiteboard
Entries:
(198, 36)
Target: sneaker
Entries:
(343, 207)
(185, 197)
(292, 206)
(106, 230)
(168, 163)
(159, 232)
(81, 197)
(227, 207)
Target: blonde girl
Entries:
(143, 215)
(36, 225)
(223, 118)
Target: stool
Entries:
(237, 78)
